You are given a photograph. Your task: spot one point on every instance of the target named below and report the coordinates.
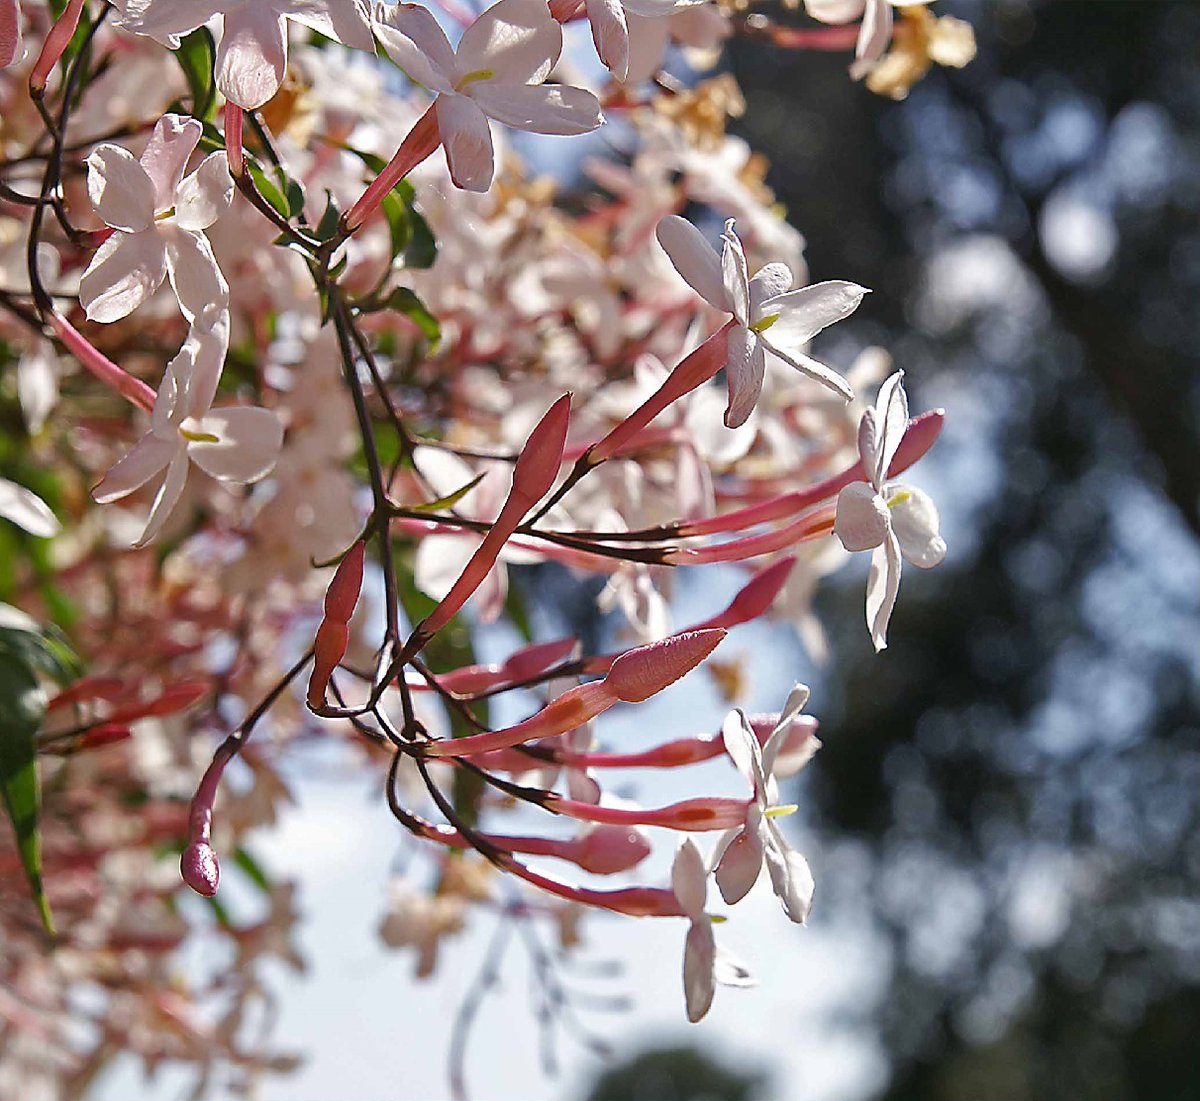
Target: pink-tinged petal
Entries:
(198, 283)
(740, 865)
(791, 877)
(416, 42)
(467, 140)
(126, 270)
(883, 583)
(743, 748)
(891, 411)
(689, 879)
(37, 388)
(247, 444)
(518, 40)
(345, 21)
(610, 33)
(805, 312)
(658, 9)
(166, 21)
(694, 259)
(120, 189)
(167, 498)
(875, 34)
(770, 281)
(148, 456)
(734, 273)
(166, 155)
(10, 33)
(789, 735)
(648, 40)
(915, 522)
(252, 55)
(868, 447)
(645, 671)
(744, 375)
(814, 368)
(834, 11)
(862, 520)
(539, 108)
(699, 957)
(199, 363)
(204, 195)
(27, 510)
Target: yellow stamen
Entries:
(717, 919)
(474, 75)
(168, 213)
(199, 437)
(764, 323)
(782, 811)
(899, 497)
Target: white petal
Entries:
(119, 188)
(37, 389)
(814, 368)
(734, 274)
(742, 747)
(610, 33)
(133, 470)
(252, 55)
(883, 583)
(27, 510)
(467, 141)
(694, 259)
(167, 498)
(805, 312)
(791, 877)
(126, 270)
(891, 413)
(166, 155)
(770, 281)
(689, 879)
(728, 970)
(740, 865)
(783, 734)
(199, 285)
(648, 40)
(10, 33)
(539, 108)
(876, 32)
(199, 365)
(248, 443)
(416, 42)
(699, 959)
(164, 20)
(205, 195)
(862, 520)
(743, 375)
(518, 40)
(440, 561)
(834, 11)
(345, 21)
(915, 522)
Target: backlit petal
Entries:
(915, 522)
(699, 957)
(167, 497)
(743, 375)
(133, 470)
(689, 879)
(467, 140)
(862, 520)
(805, 312)
(119, 188)
(247, 445)
(883, 583)
(734, 274)
(539, 108)
(518, 40)
(252, 55)
(416, 42)
(204, 195)
(166, 155)
(740, 865)
(694, 259)
(610, 33)
(198, 283)
(27, 510)
(126, 270)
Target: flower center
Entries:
(473, 76)
(782, 811)
(764, 323)
(199, 437)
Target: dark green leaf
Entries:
(450, 500)
(22, 708)
(404, 300)
(269, 190)
(328, 225)
(252, 868)
(46, 652)
(196, 55)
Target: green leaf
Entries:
(328, 225)
(22, 708)
(267, 189)
(46, 652)
(419, 247)
(279, 189)
(399, 223)
(254, 871)
(450, 500)
(404, 300)
(196, 56)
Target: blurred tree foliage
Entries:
(675, 1074)
(1013, 788)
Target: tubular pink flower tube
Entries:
(920, 435)
(52, 49)
(198, 865)
(807, 527)
(634, 901)
(130, 388)
(422, 140)
(634, 677)
(691, 815)
(605, 850)
(527, 662)
(691, 372)
(533, 475)
(233, 139)
(564, 10)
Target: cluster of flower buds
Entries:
(228, 219)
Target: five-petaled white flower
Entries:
(498, 71)
(888, 518)
(772, 321)
(159, 215)
(705, 963)
(760, 838)
(251, 35)
(238, 444)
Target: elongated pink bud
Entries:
(130, 388)
(54, 46)
(420, 143)
(755, 597)
(341, 597)
(527, 662)
(682, 751)
(533, 475)
(634, 901)
(693, 371)
(609, 849)
(105, 734)
(200, 869)
(639, 674)
(198, 865)
(812, 526)
(690, 815)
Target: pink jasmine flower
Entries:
(887, 518)
(771, 321)
(159, 216)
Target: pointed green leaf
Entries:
(450, 500)
(196, 55)
(404, 300)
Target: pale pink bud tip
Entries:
(537, 466)
(199, 868)
(607, 850)
(637, 675)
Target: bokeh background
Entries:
(1003, 820)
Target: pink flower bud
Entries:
(342, 595)
(537, 465)
(607, 850)
(639, 674)
(104, 734)
(56, 43)
(690, 815)
(755, 598)
(199, 868)
(420, 143)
